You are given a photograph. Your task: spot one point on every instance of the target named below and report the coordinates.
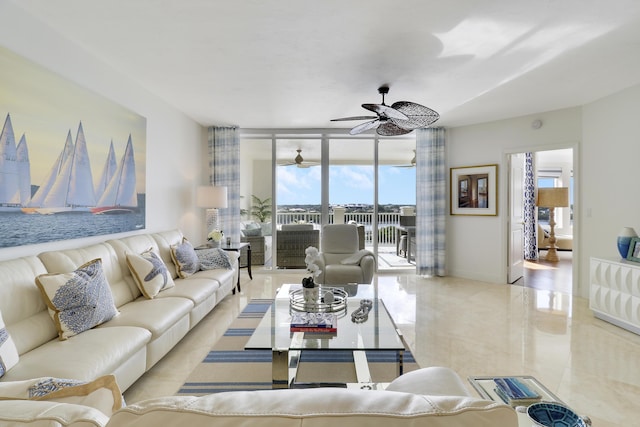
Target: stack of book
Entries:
(515, 392)
(314, 322)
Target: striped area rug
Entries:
(228, 367)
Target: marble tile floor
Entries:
(472, 327)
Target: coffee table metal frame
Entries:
(379, 332)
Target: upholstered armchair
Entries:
(341, 261)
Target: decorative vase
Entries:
(310, 293)
(624, 240)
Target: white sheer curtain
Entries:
(224, 170)
(431, 201)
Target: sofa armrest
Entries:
(432, 381)
(49, 414)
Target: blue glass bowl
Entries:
(552, 414)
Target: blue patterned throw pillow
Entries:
(185, 258)
(79, 300)
(149, 272)
(211, 259)
(8, 351)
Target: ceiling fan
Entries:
(398, 119)
(299, 161)
(412, 163)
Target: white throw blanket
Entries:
(356, 257)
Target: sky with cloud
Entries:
(347, 185)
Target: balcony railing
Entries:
(386, 223)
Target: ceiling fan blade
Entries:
(354, 118)
(364, 127)
(385, 111)
(391, 129)
(418, 116)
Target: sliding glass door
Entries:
(323, 177)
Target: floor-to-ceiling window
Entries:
(321, 177)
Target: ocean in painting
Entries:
(17, 229)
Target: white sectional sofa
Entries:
(130, 343)
(429, 397)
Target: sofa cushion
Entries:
(185, 259)
(211, 259)
(251, 232)
(78, 300)
(104, 351)
(8, 351)
(149, 272)
(102, 393)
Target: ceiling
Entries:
(299, 63)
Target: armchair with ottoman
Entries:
(429, 397)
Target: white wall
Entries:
(610, 158)
(174, 142)
(476, 245)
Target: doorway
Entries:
(551, 168)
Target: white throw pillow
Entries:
(149, 272)
(8, 351)
(79, 300)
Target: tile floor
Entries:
(473, 327)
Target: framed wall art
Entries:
(474, 190)
(634, 250)
(72, 162)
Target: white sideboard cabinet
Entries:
(615, 292)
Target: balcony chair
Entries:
(292, 241)
(341, 260)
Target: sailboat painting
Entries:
(72, 163)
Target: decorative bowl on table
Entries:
(329, 300)
(554, 414)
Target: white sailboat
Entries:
(121, 196)
(108, 171)
(72, 191)
(9, 175)
(24, 171)
(37, 201)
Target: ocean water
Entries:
(17, 229)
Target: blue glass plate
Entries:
(550, 414)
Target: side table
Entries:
(234, 247)
(485, 387)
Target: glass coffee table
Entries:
(378, 332)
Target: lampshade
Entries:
(208, 196)
(557, 197)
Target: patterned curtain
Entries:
(530, 231)
(224, 170)
(431, 201)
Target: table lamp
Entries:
(552, 198)
(212, 198)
